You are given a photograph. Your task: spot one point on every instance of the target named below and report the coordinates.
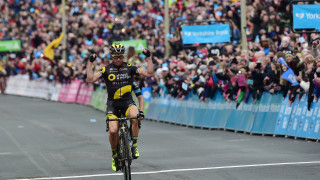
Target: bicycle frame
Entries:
(125, 156)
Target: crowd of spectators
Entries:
(92, 26)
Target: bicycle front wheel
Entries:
(126, 157)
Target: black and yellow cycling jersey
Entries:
(119, 80)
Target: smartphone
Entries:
(220, 70)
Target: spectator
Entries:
(93, 25)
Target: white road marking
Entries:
(175, 170)
(239, 140)
(5, 153)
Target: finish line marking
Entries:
(174, 170)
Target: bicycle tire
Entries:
(126, 156)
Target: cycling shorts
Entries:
(117, 107)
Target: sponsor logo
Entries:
(123, 76)
(312, 16)
(111, 77)
(187, 33)
(146, 94)
(300, 15)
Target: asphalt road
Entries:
(49, 140)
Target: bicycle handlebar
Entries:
(122, 118)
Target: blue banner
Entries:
(282, 120)
(303, 122)
(146, 93)
(306, 16)
(206, 34)
(292, 121)
(266, 116)
(242, 119)
(271, 115)
(313, 129)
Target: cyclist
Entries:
(119, 78)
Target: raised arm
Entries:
(149, 72)
(91, 77)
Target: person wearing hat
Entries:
(119, 78)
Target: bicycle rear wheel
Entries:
(126, 157)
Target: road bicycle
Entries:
(124, 145)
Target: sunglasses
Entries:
(117, 56)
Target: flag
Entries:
(290, 76)
(283, 61)
(48, 51)
(146, 93)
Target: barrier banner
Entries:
(217, 114)
(198, 118)
(266, 117)
(182, 112)
(82, 93)
(167, 115)
(35, 88)
(149, 114)
(210, 114)
(187, 112)
(54, 92)
(292, 120)
(250, 116)
(283, 118)
(303, 122)
(94, 96)
(101, 100)
(172, 112)
(242, 119)
(194, 115)
(153, 110)
(164, 105)
(235, 117)
(313, 129)
(73, 91)
(21, 85)
(41, 88)
(222, 112)
(15, 85)
(11, 87)
(63, 92)
(89, 91)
